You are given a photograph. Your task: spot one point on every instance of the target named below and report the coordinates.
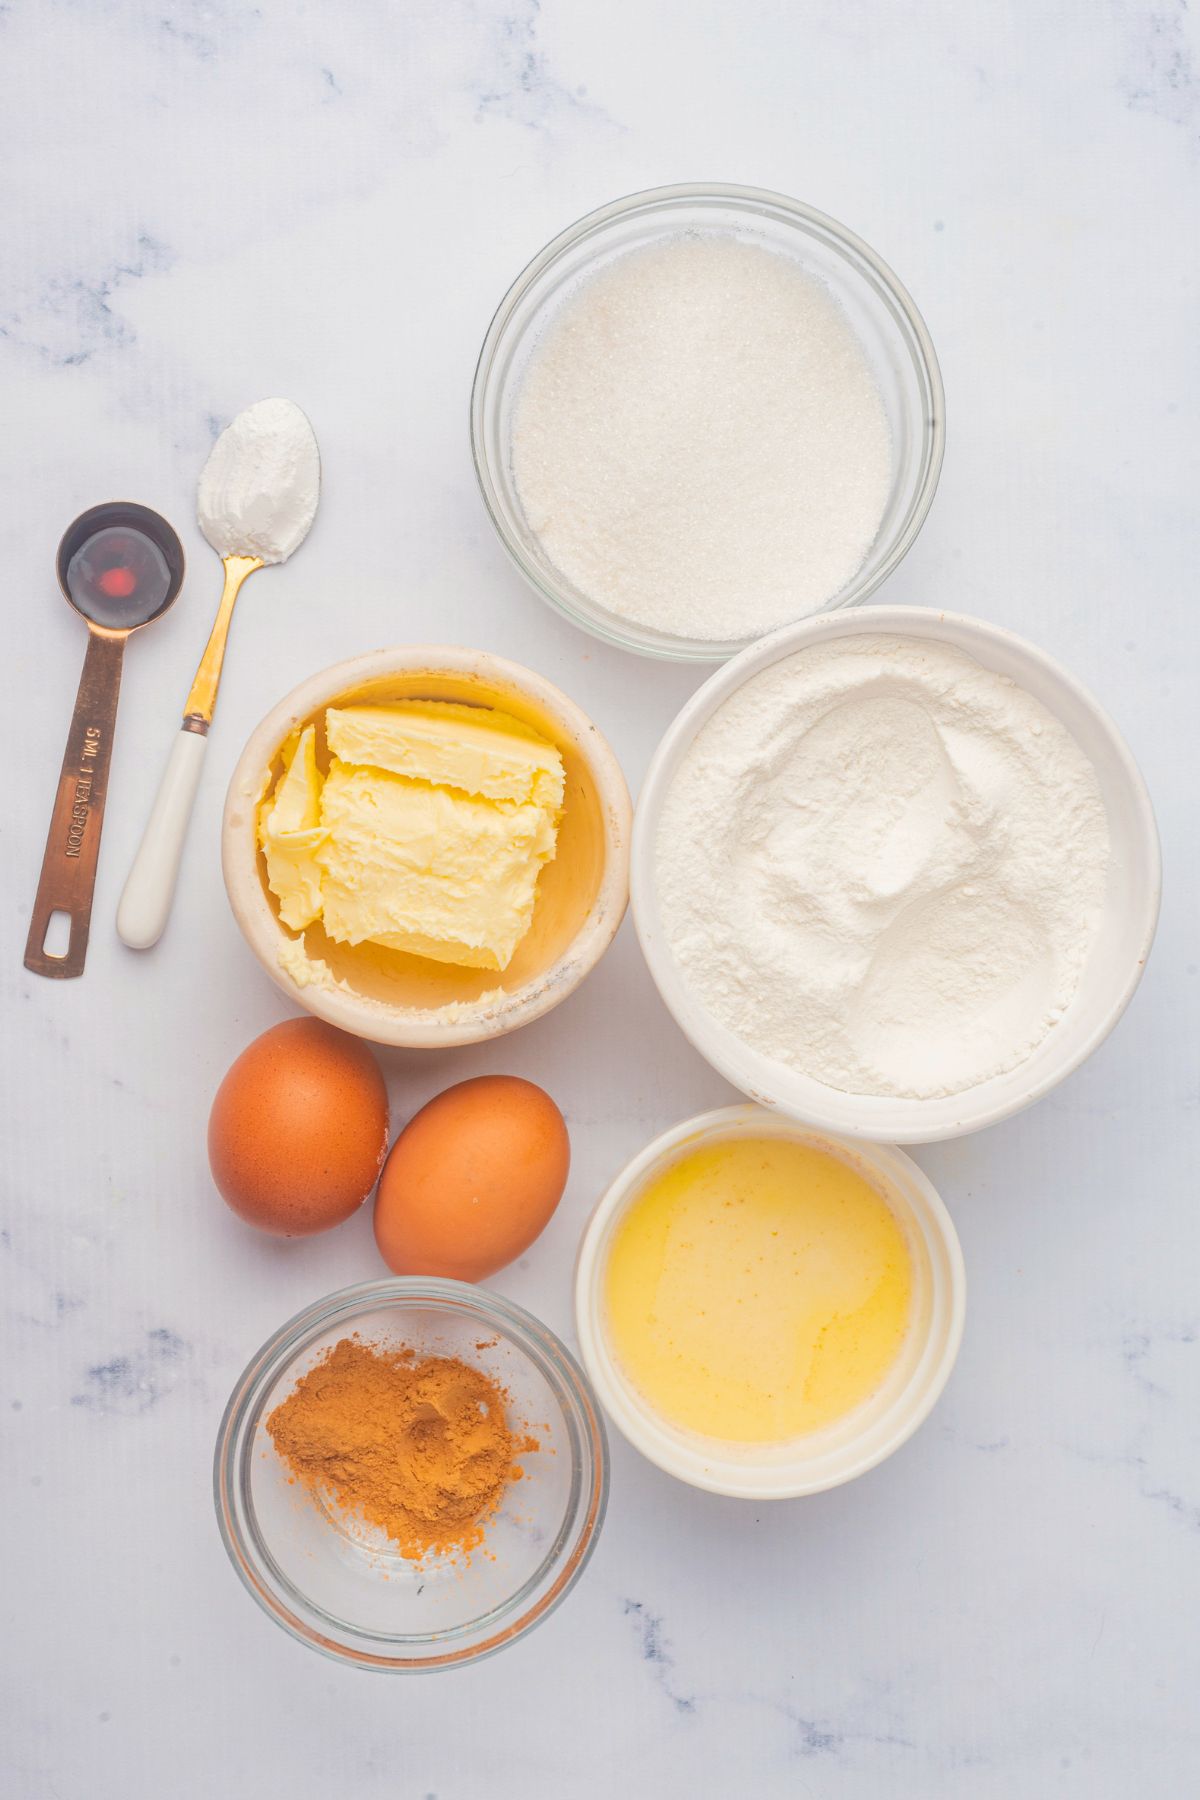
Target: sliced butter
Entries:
(470, 748)
(289, 830)
(429, 870)
(427, 835)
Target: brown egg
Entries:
(472, 1179)
(299, 1129)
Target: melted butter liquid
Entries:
(757, 1290)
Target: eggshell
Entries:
(472, 1179)
(298, 1130)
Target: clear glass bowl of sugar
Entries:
(343, 1588)
(885, 324)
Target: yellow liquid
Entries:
(757, 1290)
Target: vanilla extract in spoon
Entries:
(120, 566)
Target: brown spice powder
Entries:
(420, 1447)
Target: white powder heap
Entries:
(699, 442)
(884, 866)
(260, 486)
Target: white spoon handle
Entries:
(146, 901)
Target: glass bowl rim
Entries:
(810, 220)
(243, 1409)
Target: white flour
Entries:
(699, 442)
(260, 485)
(884, 865)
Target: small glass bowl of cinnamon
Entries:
(346, 1428)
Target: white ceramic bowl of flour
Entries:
(703, 412)
(1120, 930)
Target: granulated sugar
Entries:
(699, 441)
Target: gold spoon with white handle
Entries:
(258, 498)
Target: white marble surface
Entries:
(209, 202)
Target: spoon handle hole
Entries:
(57, 941)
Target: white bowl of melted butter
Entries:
(766, 1310)
(379, 990)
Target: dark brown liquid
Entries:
(119, 577)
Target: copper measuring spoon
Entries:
(120, 566)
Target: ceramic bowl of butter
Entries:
(767, 1311)
(427, 846)
(895, 873)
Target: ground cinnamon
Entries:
(420, 1447)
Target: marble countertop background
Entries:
(208, 201)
